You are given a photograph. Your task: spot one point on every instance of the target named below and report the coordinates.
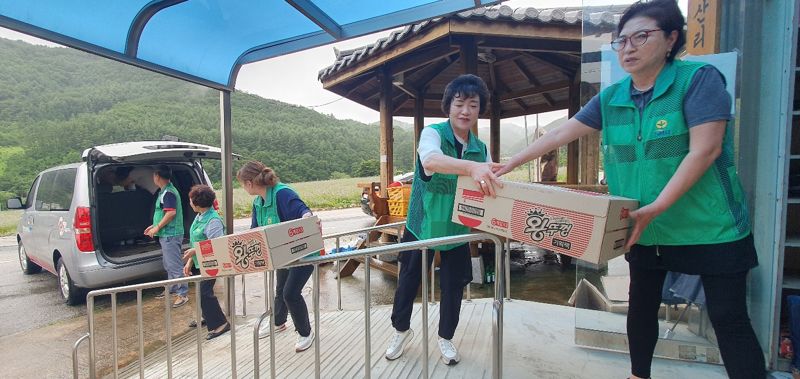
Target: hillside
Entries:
(55, 102)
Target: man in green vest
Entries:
(446, 150)
(168, 227)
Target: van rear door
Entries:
(148, 151)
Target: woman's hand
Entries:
(484, 177)
(188, 254)
(641, 219)
(187, 268)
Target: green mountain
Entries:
(55, 102)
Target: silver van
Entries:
(85, 222)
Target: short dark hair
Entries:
(465, 86)
(667, 15)
(164, 171)
(202, 196)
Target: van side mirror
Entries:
(14, 203)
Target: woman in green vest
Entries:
(445, 150)
(666, 143)
(206, 225)
(276, 202)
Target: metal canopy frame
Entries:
(74, 23)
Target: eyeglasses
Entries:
(637, 39)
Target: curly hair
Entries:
(465, 86)
(202, 196)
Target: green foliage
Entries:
(56, 102)
(368, 167)
(339, 175)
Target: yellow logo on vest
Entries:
(661, 128)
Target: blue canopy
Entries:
(207, 41)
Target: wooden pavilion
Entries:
(529, 58)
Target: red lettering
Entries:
(623, 213)
(295, 231)
(500, 223)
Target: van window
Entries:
(32, 193)
(55, 190)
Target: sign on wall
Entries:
(702, 36)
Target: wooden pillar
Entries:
(468, 50)
(494, 129)
(387, 136)
(419, 119)
(573, 153)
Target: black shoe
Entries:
(161, 295)
(212, 335)
(193, 323)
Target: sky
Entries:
(293, 78)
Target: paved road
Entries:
(37, 329)
(28, 301)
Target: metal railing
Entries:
(423, 245)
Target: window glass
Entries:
(56, 190)
(31, 194)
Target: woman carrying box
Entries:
(276, 202)
(665, 144)
(206, 225)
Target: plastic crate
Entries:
(399, 193)
(398, 208)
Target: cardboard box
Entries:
(589, 226)
(260, 249)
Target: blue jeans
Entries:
(289, 298)
(173, 262)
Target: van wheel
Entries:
(69, 291)
(28, 267)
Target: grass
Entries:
(8, 222)
(319, 195)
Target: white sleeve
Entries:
(429, 143)
(488, 155)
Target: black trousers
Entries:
(727, 308)
(289, 298)
(455, 274)
(209, 304)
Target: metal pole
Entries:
(226, 147)
(425, 313)
(75, 355)
(526, 145)
(232, 322)
(272, 325)
(199, 320)
(90, 312)
(266, 285)
(367, 322)
(538, 160)
(114, 333)
(338, 278)
(316, 322)
(497, 362)
(469, 292)
(168, 322)
(140, 322)
(433, 279)
(507, 260)
(244, 301)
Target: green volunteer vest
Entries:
(266, 209)
(430, 207)
(642, 152)
(197, 232)
(175, 227)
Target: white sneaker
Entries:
(398, 344)
(449, 352)
(303, 343)
(264, 331)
